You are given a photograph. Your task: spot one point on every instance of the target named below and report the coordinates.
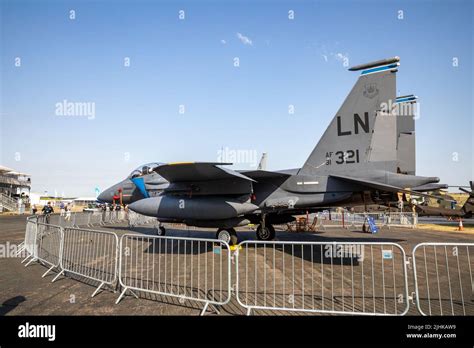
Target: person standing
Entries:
(68, 209)
(61, 209)
(34, 209)
(47, 211)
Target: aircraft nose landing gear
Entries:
(265, 231)
(227, 235)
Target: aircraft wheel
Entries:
(160, 231)
(227, 235)
(265, 234)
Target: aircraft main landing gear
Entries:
(265, 232)
(160, 231)
(227, 235)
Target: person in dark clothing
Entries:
(47, 211)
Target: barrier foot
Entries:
(121, 295)
(135, 295)
(204, 309)
(26, 258)
(57, 276)
(32, 260)
(215, 308)
(20, 250)
(249, 311)
(97, 290)
(44, 274)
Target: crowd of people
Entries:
(66, 209)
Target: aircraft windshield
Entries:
(144, 169)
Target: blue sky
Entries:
(190, 62)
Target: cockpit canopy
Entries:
(144, 169)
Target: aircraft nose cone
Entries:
(105, 196)
(147, 206)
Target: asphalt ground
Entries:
(24, 292)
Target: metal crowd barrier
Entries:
(90, 219)
(110, 217)
(338, 278)
(186, 268)
(443, 278)
(90, 254)
(29, 243)
(348, 220)
(48, 246)
(358, 278)
(95, 219)
(135, 219)
(402, 219)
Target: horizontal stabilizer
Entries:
(430, 187)
(384, 187)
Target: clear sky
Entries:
(187, 65)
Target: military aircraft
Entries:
(465, 212)
(366, 155)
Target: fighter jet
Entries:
(366, 155)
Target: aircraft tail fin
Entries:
(361, 132)
(263, 162)
(406, 108)
(468, 207)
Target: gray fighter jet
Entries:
(365, 156)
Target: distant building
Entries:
(84, 200)
(15, 190)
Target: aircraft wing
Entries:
(384, 187)
(197, 172)
(263, 174)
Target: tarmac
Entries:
(24, 292)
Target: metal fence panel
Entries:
(29, 244)
(90, 254)
(135, 219)
(95, 219)
(402, 219)
(380, 219)
(338, 277)
(81, 219)
(443, 278)
(110, 217)
(48, 245)
(30, 236)
(356, 220)
(186, 268)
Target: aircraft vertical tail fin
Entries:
(263, 162)
(406, 109)
(350, 140)
(468, 207)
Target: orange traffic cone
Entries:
(461, 227)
